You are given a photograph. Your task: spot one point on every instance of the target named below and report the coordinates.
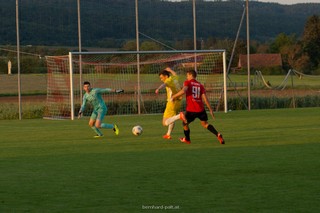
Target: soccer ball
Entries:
(137, 130)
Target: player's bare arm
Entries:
(160, 87)
(206, 101)
(170, 70)
(180, 93)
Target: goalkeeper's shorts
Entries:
(98, 114)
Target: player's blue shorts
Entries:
(98, 114)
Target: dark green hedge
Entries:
(274, 102)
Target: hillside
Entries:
(107, 23)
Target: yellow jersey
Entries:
(172, 86)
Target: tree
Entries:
(280, 41)
(311, 40)
(294, 57)
(292, 53)
(130, 45)
(150, 46)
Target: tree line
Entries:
(109, 23)
(292, 30)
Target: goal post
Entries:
(138, 78)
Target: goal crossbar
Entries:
(136, 71)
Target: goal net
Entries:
(135, 72)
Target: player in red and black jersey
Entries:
(195, 99)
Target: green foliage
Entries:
(150, 46)
(3, 65)
(11, 111)
(277, 70)
(32, 65)
(274, 102)
(311, 39)
(307, 101)
(280, 41)
(111, 22)
(130, 45)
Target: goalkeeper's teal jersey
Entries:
(94, 97)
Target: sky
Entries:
(289, 1)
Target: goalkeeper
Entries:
(93, 96)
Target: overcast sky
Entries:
(280, 1)
(289, 1)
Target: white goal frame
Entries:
(77, 56)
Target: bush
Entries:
(11, 111)
(272, 70)
(274, 102)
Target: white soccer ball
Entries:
(137, 130)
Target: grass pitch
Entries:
(270, 163)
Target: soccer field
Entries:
(270, 163)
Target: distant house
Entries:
(260, 61)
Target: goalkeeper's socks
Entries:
(212, 129)
(187, 134)
(96, 130)
(107, 126)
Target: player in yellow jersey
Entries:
(170, 80)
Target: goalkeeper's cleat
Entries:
(184, 140)
(220, 138)
(116, 129)
(183, 117)
(98, 136)
(166, 137)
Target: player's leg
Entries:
(186, 130)
(170, 111)
(171, 120)
(172, 114)
(169, 131)
(100, 118)
(203, 117)
(204, 122)
(93, 123)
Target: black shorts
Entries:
(191, 116)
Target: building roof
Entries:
(260, 60)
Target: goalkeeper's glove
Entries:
(119, 91)
(79, 114)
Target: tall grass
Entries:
(10, 111)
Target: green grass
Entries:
(270, 163)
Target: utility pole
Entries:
(248, 56)
(18, 58)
